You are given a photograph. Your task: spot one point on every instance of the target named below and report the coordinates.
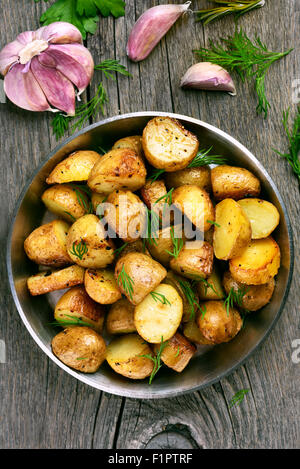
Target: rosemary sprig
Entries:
(126, 281)
(177, 244)
(79, 250)
(160, 297)
(69, 322)
(189, 293)
(236, 7)
(235, 297)
(250, 59)
(156, 359)
(203, 158)
(293, 135)
(238, 397)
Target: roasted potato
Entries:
(76, 167)
(151, 193)
(133, 142)
(230, 182)
(76, 304)
(258, 263)
(195, 203)
(120, 318)
(118, 169)
(135, 246)
(168, 145)
(263, 216)
(101, 286)
(158, 316)
(87, 244)
(198, 176)
(137, 275)
(255, 297)
(46, 245)
(125, 356)
(97, 199)
(177, 352)
(216, 324)
(181, 284)
(47, 281)
(192, 332)
(80, 348)
(62, 199)
(126, 215)
(232, 230)
(161, 247)
(194, 260)
(211, 288)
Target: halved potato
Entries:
(177, 352)
(134, 142)
(158, 316)
(120, 318)
(192, 332)
(195, 203)
(232, 230)
(62, 199)
(216, 324)
(160, 246)
(258, 263)
(256, 296)
(101, 286)
(46, 245)
(80, 348)
(263, 216)
(97, 199)
(212, 288)
(76, 304)
(198, 176)
(125, 356)
(194, 260)
(230, 182)
(76, 167)
(180, 284)
(137, 275)
(168, 145)
(118, 169)
(45, 282)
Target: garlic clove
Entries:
(9, 55)
(24, 91)
(151, 27)
(60, 32)
(58, 90)
(79, 53)
(26, 37)
(208, 76)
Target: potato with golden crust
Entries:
(159, 315)
(101, 286)
(161, 247)
(121, 168)
(137, 275)
(80, 348)
(48, 281)
(231, 182)
(198, 176)
(126, 215)
(195, 203)
(180, 284)
(76, 167)
(217, 325)
(88, 245)
(135, 246)
(258, 263)
(76, 304)
(63, 200)
(168, 145)
(232, 230)
(192, 332)
(211, 288)
(151, 193)
(194, 260)
(120, 318)
(97, 199)
(134, 142)
(46, 245)
(255, 297)
(177, 352)
(125, 356)
(263, 216)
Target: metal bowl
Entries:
(211, 363)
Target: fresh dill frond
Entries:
(60, 125)
(178, 244)
(110, 65)
(238, 397)
(213, 223)
(166, 198)
(156, 359)
(235, 297)
(118, 251)
(69, 322)
(83, 194)
(127, 282)
(79, 250)
(236, 7)
(203, 158)
(191, 297)
(152, 227)
(207, 285)
(160, 297)
(156, 174)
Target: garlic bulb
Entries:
(42, 67)
(151, 27)
(208, 76)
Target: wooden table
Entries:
(44, 407)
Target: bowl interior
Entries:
(210, 363)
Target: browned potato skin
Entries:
(135, 246)
(46, 245)
(179, 158)
(216, 325)
(192, 332)
(163, 243)
(231, 182)
(150, 193)
(133, 142)
(101, 286)
(120, 318)
(62, 200)
(77, 303)
(177, 353)
(174, 280)
(145, 272)
(199, 177)
(45, 282)
(76, 167)
(208, 293)
(195, 203)
(256, 296)
(80, 348)
(194, 262)
(97, 199)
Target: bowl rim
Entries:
(148, 393)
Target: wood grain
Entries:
(43, 407)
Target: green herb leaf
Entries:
(79, 250)
(235, 7)
(160, 297)
(126, 282)
(69, 322)
(118, 251)
(203, 158)
(156, 174)
(166, 198)
(178, 244)
(110, 65)
(238, 397)
(235, 297)
(156, 359)
(83, 199)
(213, 223)
(190, 296)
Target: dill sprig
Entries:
(293, 135)
(166, 198)
(83, 194)
(156, 359)
(238, 397)
(110, 65)
(118, 251)
(202, 310)
(207, 285)
(127, 282)
(160, 297)
(236, 7)
(152, 227)
(235, 297)
(177, 244)
(250, 59)
(214, 223)
(189, 293)
(79, 250)
(156, 174)
(69, 322)
(203, 158)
